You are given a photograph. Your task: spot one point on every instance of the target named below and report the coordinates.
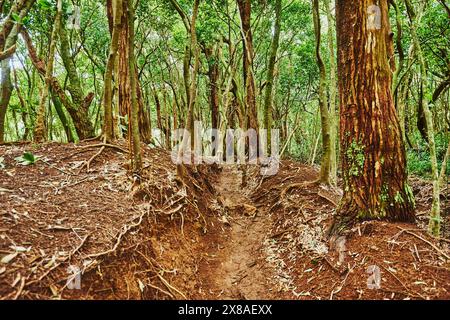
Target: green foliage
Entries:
(44, 4)
(27, 159)
(419, 159)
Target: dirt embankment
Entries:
(60, 213)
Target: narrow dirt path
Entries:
(242, 272)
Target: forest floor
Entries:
(214, 233)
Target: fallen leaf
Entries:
(9, 257)
(54, 290)
(141, 285)
(20, 248)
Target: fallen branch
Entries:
(426, 241)
(415, 294)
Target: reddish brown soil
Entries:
(412, 264)
(238, 270)
(201, 236)
(127, 243)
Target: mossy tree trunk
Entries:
(211, 54)
(84, 126)
(434, 223)
(40, 130)
(114, 12)
(372, 151)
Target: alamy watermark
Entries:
(74, 279)
(374, 279)
(228, 147)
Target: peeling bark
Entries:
(372, 151)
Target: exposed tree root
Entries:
(297, 185)
(87, 164)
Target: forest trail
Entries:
(241, 273)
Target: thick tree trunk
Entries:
(62, 116)
(373, 153)
(85, 127)
(249, 79)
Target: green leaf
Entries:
(44, 4)
(15, 17)
(27, 159)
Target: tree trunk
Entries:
(435, 219)
(325, 166)
(249, 80)
(134, 110)
(5, 94)
(373, 153)
(84, 125)
(62, 116)
(213, 74)
(124, 79)
(40, 130)
(332, 91)
(271, 73)
(24, 111)
(114, 12)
